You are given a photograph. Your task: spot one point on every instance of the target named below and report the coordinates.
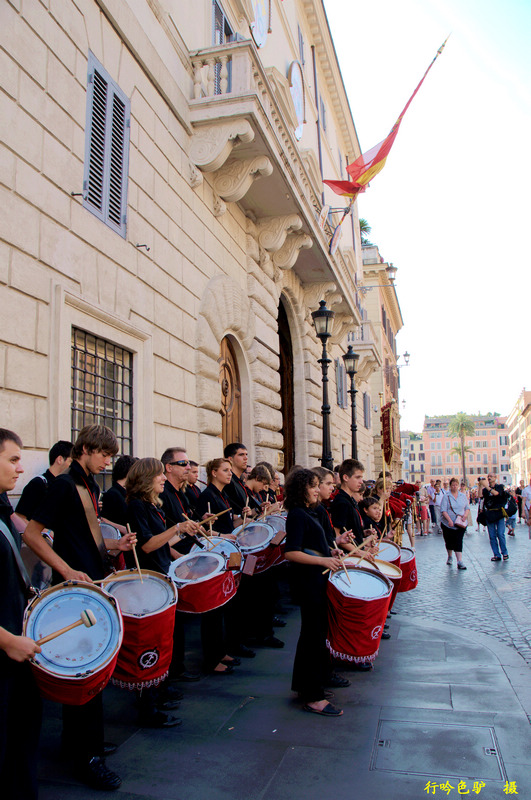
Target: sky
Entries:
(451, 208)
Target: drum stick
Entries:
(136, 557)
(210, 520)
(86, 618)
(113, 578)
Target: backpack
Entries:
(511, 506)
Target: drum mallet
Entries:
(86, 618)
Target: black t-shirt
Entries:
(239, 496)
(218, 502)
(12, 589)
(305, 533)
(146, 520)
(175, 505)
(113, 504)
(495, 501)
(192, 495)
(34, 494)
(326, 522)
(346, 515)
(64, 514)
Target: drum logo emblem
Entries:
(228, 584)
(376, 631)
(413, 576)
(148, 658)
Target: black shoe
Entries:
(167, 705)
(158, 719)
(109, 748)
(393, 613)
(234, 662)
(365, 666)
(187, 677)
(279, 623)
(242, 651)
(97, 775)
(386, 626)
(271, 641)
(386, 635)
(335, 681)
(228, 671)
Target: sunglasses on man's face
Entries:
(179, 463)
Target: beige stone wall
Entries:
(205, 275)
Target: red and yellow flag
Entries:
(369, 164)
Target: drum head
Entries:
(406, 554)
(219, 545)
(109, 531)
(255, 536)
(388, 551)
(82, 649)
(277, 522)
(137, 599)
(363, 585)
(390, 570)
(196, 567)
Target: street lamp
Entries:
(350, 359)
(323, 319)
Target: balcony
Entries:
(244, 122)
(363, 340)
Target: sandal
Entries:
(328, 711)
(497, 558)
(506, 557)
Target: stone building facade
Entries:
(162, 245)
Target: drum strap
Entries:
(92, 520)
(18, 558)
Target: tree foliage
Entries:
(459, 427)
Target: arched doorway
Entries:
(231, 406)
(286, 387)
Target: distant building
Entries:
(519, 433)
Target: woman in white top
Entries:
(454, 507)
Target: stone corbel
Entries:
(233, 180)
(272, 231)
(343, 323)
(196, 179)
(219, 206)
(211, 145)
(366, 366)
(288, 254)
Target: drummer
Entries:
(309, 553)
(239, 497)
(77, 556)
(214, 500)
(113, 502)
(192, 490)
(144, 486)
(344, 511)
(20, 705)
(326, 487)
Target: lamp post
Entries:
(323, 319)
(350, 359)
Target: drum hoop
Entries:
(150, 573)
(87, 672)
(407, 550)
(247, 550)
(183, 582)
(373, 573)
(394, 570)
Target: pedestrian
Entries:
(495, 499)
(431, 502)
(481, 516)
(439, 494)
(511, 509)
(526, 503)
(454, 508)
(518, 492)
(424, 512)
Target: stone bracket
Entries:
(272, 231)
(234, 179)
(211, 145)
(288, 254)
(342, 325)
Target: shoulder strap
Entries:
(16, 553)
(92, 520)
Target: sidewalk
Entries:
(444, 704)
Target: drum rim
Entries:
(183, 583)
(215, 541)
(151, 573)
(394, 567)
(372, 573)
(256, 548)
(87, 672)
(407, 550)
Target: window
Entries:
(422, 447)
(439, 461)
(412, 446)
(421, 456)
(366, 409)
(412, 456)
(341, 384)
(503, 453)
(221, 33)
(447, 445)
(485, 458)
(102, 387)
(432, 445)
(494, 458)
(478, 456)
(301, 46)
(438, 445)
(106, 148)
(448, 470)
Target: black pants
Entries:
(83, 729)
(20, 724)
(213, 637)
(311, 667)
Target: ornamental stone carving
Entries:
(343, 323)
(366, 366)
(272, 231)
(233, 180)
(212, 144)
(196, 179)
(288, 254)
(219, 206)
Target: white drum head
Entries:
(363, 585)
(254, 537)
(109, 531)
(137, 599)
(82, 649)
(390, 570)
(277, 522)
(388, 551)
(196, 567)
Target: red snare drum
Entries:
(76, 666)
(256, 540)
(409, 570)
(148, 611)
(357, 613)
(389, 551)
(391, 571)
(203, 582)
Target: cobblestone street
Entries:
(491, 598)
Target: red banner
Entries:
(387, 432)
